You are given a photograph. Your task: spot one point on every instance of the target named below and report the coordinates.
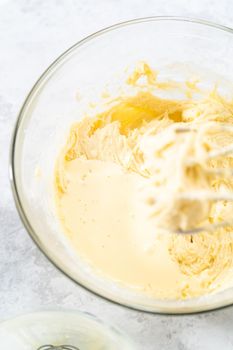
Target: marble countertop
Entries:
(32, 34)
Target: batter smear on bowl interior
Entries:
(118, 183)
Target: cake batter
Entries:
(119, 183)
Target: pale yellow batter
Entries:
(121, 185)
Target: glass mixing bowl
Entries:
(179, 48)
(80, 330)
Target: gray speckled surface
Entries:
(32, 34)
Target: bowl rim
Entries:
(67, 312)
(12, 171)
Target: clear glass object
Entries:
(82, 331)
(180, 48)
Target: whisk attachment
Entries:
(201, 180)
(58, 347)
